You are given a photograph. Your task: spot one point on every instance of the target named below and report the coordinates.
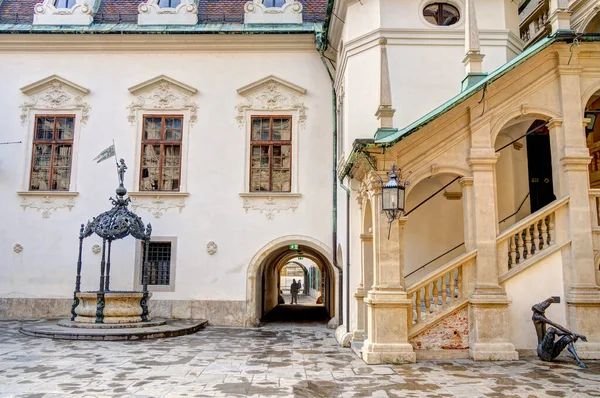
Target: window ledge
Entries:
(162, 194)
(48, 193)
(270, 195)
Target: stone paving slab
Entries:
(273, 361)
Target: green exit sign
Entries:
(300, 258)
(293, 247)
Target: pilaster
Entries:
(488, 311)
(572, 160)
(358, 334)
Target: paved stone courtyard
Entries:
(276, 361)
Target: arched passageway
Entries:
(434, 232)
(269, 295)
(524, 174)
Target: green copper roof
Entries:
(125, 27)
(390, 139)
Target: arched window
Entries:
(64, 3)
(273, 3)
(168, 3)
(441, 14)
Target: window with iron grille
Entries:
(52, 153)
(159, 263)
(161, 153)
(271, 154)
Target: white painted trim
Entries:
(255, 12)
(150, 13)
(80, 14)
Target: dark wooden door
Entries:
(539, 164)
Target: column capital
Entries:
(556, 122)
(402, 221)
(482, 163)
(466, 181)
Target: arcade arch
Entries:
(525, 178)
(264, 270)
(434, 232)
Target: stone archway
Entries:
(260, 290)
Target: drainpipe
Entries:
(334, 193)
(347, 189)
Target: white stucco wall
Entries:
(533, 285)
(215, 169)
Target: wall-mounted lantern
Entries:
(592, 115)
(393, 194)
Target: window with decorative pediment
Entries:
(273, 12)
(161, 153)
(65, 12)
(53, 115)
(168, 12)
(272, 115)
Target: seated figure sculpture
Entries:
(548, 348)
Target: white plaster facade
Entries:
(213, 203)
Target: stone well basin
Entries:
(119, 307)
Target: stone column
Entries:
(488, 314)
(582, 292)
(468, 212)
(387, 303)
(559, 15)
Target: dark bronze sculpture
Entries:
(547, 348)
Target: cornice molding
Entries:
(139, 43)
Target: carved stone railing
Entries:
(440, 289)
(595, 207)
(529, 237)
(533, 21)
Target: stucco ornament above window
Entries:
(269, 94)
(273, 12)
(54, 93)
(160, 93)
(168, 12)
(65, 12)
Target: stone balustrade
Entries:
(440, 289)
(529, 237)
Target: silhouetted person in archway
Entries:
(294, 291)
(547, 348)
(299, 286)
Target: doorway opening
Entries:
(294, 262)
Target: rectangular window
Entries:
(161, 153)
(52, 153)
(271, 152)
(159, 263)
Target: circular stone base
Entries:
(171, 328)
(70, 324)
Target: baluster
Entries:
(459, 279)
(418, 304)
(444, 293)
(528, 242)
(513, 252)
(436, 293)
(452, 282)
(551, 229)
(411, 309)
(520, 247)
(538, 236)
(545, 236)
(427, 299)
